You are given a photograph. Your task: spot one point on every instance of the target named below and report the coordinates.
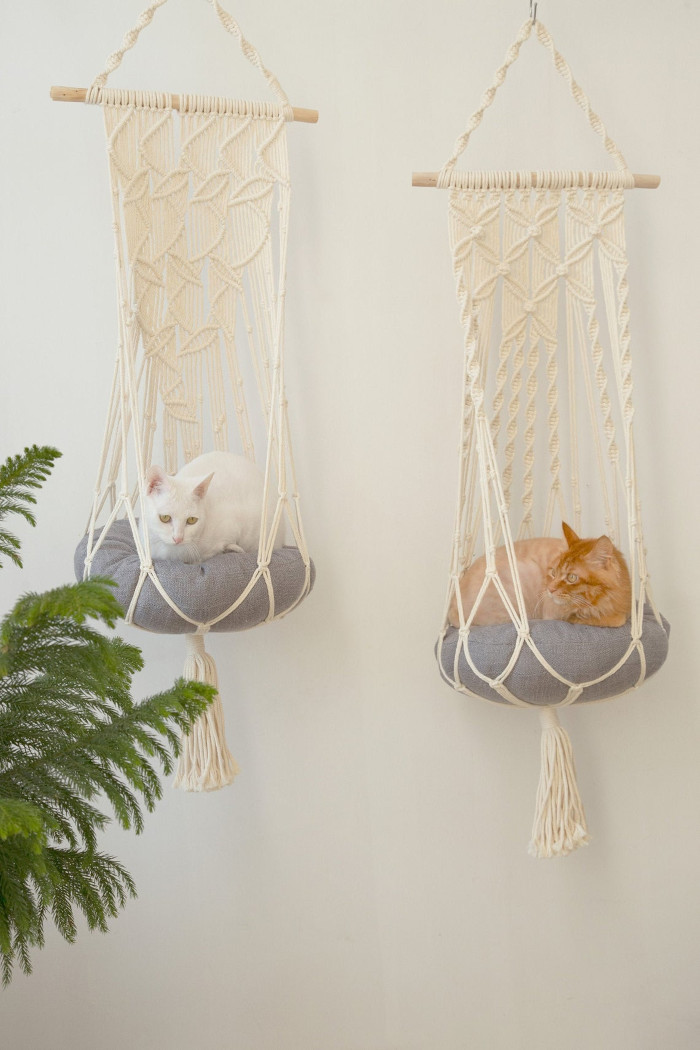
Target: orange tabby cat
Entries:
(582, 581)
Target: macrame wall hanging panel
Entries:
(542, 287)
(200, 205)
(201, 276)
(541, 268)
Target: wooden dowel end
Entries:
(76, 94)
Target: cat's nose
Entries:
(177, 539)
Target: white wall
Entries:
(364, 884)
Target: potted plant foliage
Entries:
(71, 739)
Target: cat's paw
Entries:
(233, 548)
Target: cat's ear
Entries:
(156, 480)
(602, 552)
(200, 490)
(569, 534)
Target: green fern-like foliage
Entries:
(72, 744)
(19, 475)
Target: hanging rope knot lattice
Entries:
(200, 215)
(540, 265)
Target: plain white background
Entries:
(364, 884)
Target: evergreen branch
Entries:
(9, 548)
(43, 632)
(95, 674)
(68, 606)
(67, 817)
(94, 882)
(19, 817)
(71, 737)
(101, 669)
(69, 881)
(19, 475)
(22, 880)
(28, 469)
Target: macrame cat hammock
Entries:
(546, 435)
(200, 204)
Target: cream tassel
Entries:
(206, 763)
(560, 821)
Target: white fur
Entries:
(223, 491)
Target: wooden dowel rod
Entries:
(73, 94)
(641, 182)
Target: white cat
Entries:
(213, 504)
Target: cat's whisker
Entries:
(580, 599)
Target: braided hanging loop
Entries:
(507, 180)
(130, 38)
(231, 26)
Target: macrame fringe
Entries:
(560, 821)
(206, 764)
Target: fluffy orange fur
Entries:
(581, 581)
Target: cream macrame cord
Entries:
(539, 258)
(200, 204)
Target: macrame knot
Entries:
(534, 231)
(562, 270)
(503, 269)
(476, 231)
(595, 229)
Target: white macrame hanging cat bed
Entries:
(546, 435)
(200, 198)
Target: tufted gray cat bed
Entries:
(202, 592)
(577, 652)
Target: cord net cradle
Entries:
(200, 202)
(546, 436)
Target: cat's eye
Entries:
(572, 578)
(192, 521)
(165, 518)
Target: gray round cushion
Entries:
(577, 651)
(202, 591)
